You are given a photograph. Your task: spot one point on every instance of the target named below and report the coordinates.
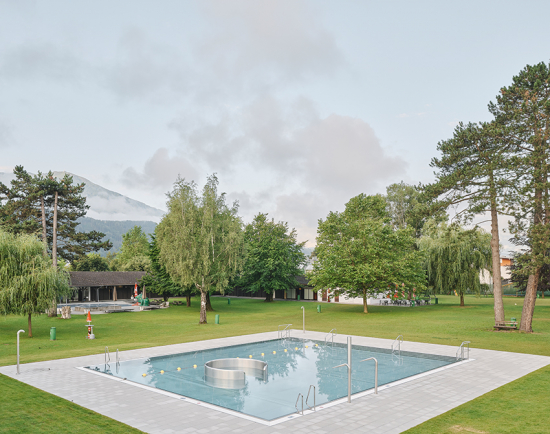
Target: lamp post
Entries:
(20, 331)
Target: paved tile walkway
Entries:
(417, 400)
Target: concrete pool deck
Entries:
(393, 410)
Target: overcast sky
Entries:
(296, 105)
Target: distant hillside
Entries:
(114, 230)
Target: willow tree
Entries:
(28, 282)
(200, 238)
(455, 257)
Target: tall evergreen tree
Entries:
(524, 109)
(474, 173)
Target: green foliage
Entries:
(28, 282)
(273, 257)
(134, 252)
(200, 238)
(29, 205)
(91, 262)
(454, 257)
(360, 253)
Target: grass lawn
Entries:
(445, 323)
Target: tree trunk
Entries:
(54, 231)
(529, 302)
(495, 252)
(208, 304)
(165, 298)
(188, 298)
(269, 297)
(30, 326)
(203, 307)
(462, 299)
(44, 231)
(365, 310)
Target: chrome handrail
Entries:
(332, 336)
(375, 373)
(296, 405)
(107, 356)
(283, 332)
(117, 357)
(308, 392)
(399, 341)
(461, 351)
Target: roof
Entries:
(105, 278)
(302, 280)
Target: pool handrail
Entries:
(308, 392)
(284, 332)
(375, 373)
(399, 341)
(296, 405)
(107, 356)
(332, 335)
(461, 351)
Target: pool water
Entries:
(293, 365)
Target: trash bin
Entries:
(435, 300)
(318, 308)
(52, 334)
(412, 303)
(298, 297)
(228, 301)
(217, 319)
(513, 319)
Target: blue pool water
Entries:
(293, 365)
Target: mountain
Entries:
(113, 230)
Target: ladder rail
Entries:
(107, 356)
(460, 351)
(331, 334)
(398, 340)
(308, 392)
(296, 405)
(284, 332)
(375, 373)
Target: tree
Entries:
(28, 282)
(474, 170)
(524, 109)
(200, 238)
(91, 262)
(134, 252)
(455, 257)
(158, 280)
(360, 252)
(273, 257)
(50, 208)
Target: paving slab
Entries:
(418, 400)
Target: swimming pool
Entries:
(292, 365)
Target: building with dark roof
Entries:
(104, 285)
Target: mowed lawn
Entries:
(521, 406)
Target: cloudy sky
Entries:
(296, 105)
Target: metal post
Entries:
(304, 319)
(375, 373)
(349, 368)
(20, 331)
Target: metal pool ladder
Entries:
(296, 405)
(375, 373)
(398, 341)
(107, 356)
(460, 351)
(284, 333)
(308, 392)
(331, 336)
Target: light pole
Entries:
(20, 331)
(304, 319)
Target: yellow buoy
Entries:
(194, 366)
(179, 369)
(316, 345)
(162, 372)
(274, 352)
(250, 356)
(285, 350)
(262, 354)
(296, 348)
(144, 375)
(307, 346)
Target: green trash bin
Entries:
(413, 303)
(436, 300)
(52, 334)
(228, 301)
(217, 319)
(298, 297)
(318, 308)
